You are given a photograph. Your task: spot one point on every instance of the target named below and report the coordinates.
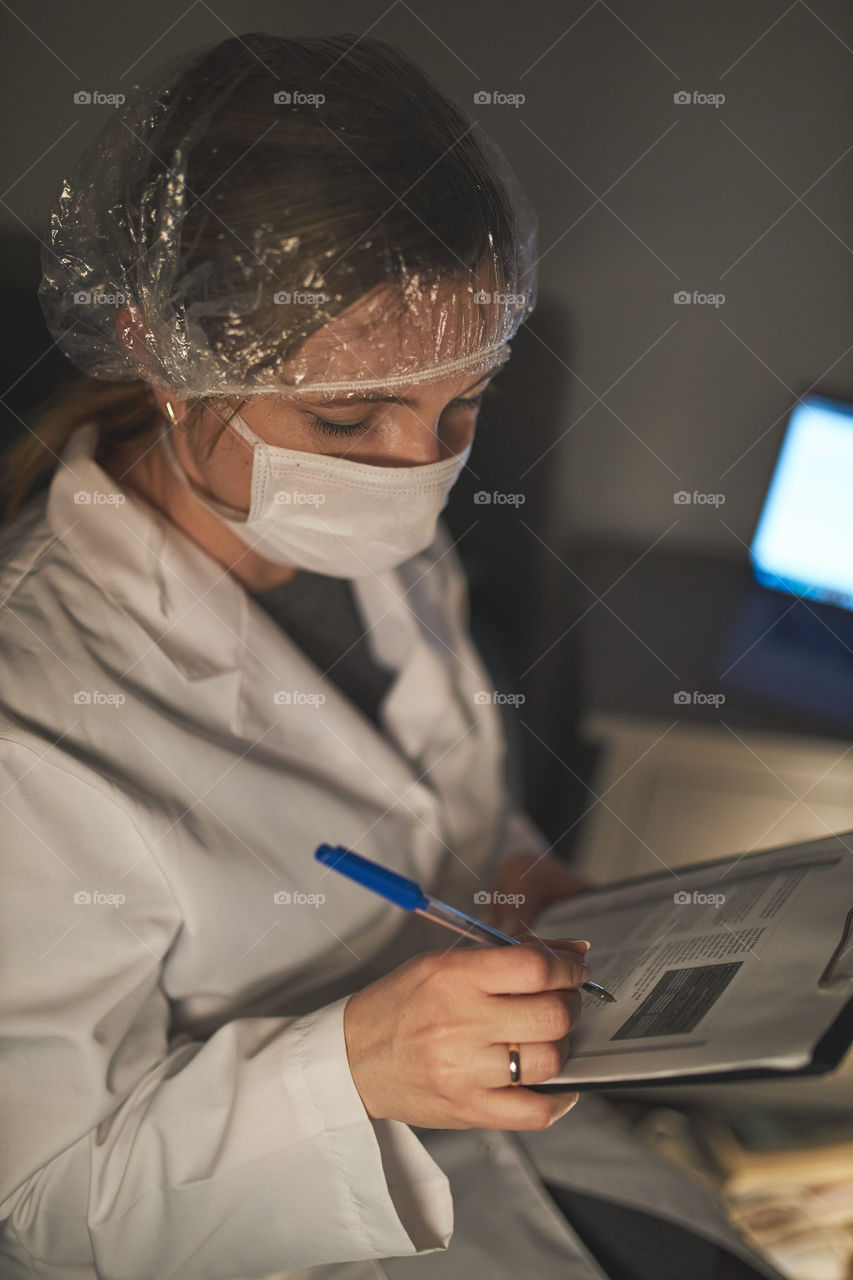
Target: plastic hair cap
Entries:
(270, 215)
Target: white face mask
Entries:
(330, 515)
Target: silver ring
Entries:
(514, 1065)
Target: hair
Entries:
(402, 135)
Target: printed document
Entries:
(715, 968)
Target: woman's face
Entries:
(393, 427)
(424, 423)
(402, 427)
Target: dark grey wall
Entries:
(638, 197)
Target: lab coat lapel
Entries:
(422, 707)
(241, 673)
(287, 707)
(285, 699)
(186, 605)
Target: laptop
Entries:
(791, 640)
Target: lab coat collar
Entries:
(203, 620)
(189, 606)
(423, 691)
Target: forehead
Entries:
(401, 335)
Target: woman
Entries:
(233, 630)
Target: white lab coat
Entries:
(181, 1102)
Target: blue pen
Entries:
(409, 894)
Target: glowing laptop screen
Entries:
(804, 539)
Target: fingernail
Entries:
(570, 944)
(580, 942)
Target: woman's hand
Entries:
(538, 879)
(427, 1043)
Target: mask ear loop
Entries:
(222, 509)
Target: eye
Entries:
(469, 402)
(350, 428)
(337, 428)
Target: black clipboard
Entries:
(828, 1052)
(827, 1055)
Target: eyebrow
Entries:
(376, 397)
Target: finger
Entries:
(524, 968)
(519, 1108)
(542, 1016)
(539, 1061)
(580, 945)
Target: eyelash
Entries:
(350, 428)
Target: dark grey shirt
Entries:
(320, 615)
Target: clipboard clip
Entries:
(828, 977)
